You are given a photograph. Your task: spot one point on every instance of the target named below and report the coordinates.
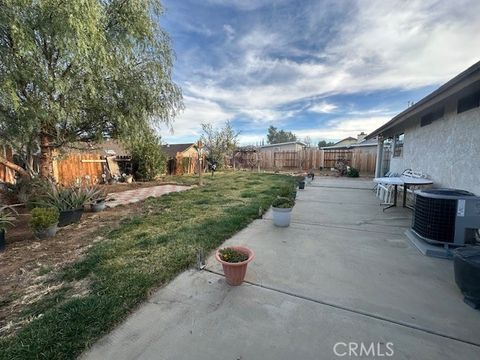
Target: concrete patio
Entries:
(343, 272)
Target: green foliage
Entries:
(232, 256)
(275, 137)
(324, 143)
(219, 142)
(7, 217)
(26, 190)
(148, 159)
(283, 203)
(80, 70)
(95, 194)
(65, 198)
(43, 218)
(288, 190)
(352, 172)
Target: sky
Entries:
(326, 69)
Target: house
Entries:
(439, 135)
(347, 141)
(286, 146)
(353, 143)
(359, 153)
(181, 158)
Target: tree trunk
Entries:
(46, 157)
(14, 167)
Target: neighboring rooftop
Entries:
(283, 144)
(363, 143)
(351, 142)
(106, 147)
(172, 149)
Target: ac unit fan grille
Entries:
(434, 219)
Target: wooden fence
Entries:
(79, 167)
(361, 158)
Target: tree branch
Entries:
(14, 167)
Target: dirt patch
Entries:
(119, 187)
(27, 265)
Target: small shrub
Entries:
(43, 218)
(352, 172)
(148, 159)
(232, 256)
(283, 203)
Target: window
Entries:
(398, 145)
(468, 102)
(432, 116)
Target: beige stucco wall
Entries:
(448, 150)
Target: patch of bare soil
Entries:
(27, 264)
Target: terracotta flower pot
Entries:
(235, 272)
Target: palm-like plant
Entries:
(7, 216)
(70, 198)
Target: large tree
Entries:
(324, 143)
(80, 70)
(274, 136)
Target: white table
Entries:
(406, 181)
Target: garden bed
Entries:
(81, 283)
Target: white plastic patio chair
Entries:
(385, 191)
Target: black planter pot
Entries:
(68, 217)
(301, 185)
(2, 239)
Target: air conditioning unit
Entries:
(447, 217)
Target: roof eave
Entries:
(467, 77)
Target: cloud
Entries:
(197, 111)
(267, 60)
(323, 108)
(245, 5)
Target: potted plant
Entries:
(282, 211)
(234, 260)
(44, 222)
(98, 199)
(70, 202)
(6, 219)
(301, 182)
(127, 178)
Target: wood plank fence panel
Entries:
(71, 169)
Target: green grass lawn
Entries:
(143, 253)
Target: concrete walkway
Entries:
(342, 273)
